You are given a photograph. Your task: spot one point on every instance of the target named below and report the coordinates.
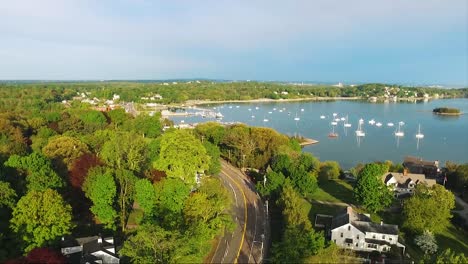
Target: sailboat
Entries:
(390, 124)
(333, 123)
(333, 134)
(322, 117)
(359, 132)
(419, 135)
(296, 118)
(399, 133)
(371, 122)
(378, 124)
(346, 124)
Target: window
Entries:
(357, 244)
(334, 240)
(349, 228)
(341, 234)
(383, 236)
(390, 238)
(373, 236)
(357, 236)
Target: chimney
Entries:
(405, 172)
(349, 210)
(381, 222)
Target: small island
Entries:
(447, 111)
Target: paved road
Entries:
(247, 243)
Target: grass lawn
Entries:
(333, 191)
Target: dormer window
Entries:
(349, 228)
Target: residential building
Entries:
(93, 249)
(357, 232)
(418, 165)
(403, 184)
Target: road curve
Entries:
(248, 242)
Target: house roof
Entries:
(376, 228)
(419, 161)
(362, 223)
(404, 180)
(347, 217)
(92, 249)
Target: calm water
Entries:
(445, 138)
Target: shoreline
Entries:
(268, 100)
(447, 114)
(308, 141)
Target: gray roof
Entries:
(404, 179)
(376, 228)
(363, 223)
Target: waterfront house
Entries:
(403, 184)
(418, 165)
(93, 249)
(355, 231)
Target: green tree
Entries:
(64, 150)
(308, 162)
(428, 209)
(40, 175)
(41, 217)
(118, 117)
(93, 120)
(305, 182)
(148, 126)
(145, 196)
(329, 170)
(333, 254)
(209, 205)
(125, 151)
(282, 163)
(211, 131)
(170, 198)
(295, 208)
(448, 256)
(152, 244)
(273, 185)
(126, 186)
(214, 153)
(182, 156)
(297, 245)
(100, 188)
(370, 191)
(7, 195)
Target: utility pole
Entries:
(243, 161)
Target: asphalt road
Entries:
(247, 243)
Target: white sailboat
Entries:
(296, 118)
(265, 120)
(346, 124)
(333, 123)
(419, 135)
(302, 109)
(335, 114)
(399, 133)
(322, 117)
(342, 119)
(390, 124)
(378, 124)
(371, 122)
(359, 132)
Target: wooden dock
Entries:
(307, 141)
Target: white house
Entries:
(355, 231)
(403, 184)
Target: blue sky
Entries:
(394, 41)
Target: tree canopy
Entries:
(428, 209)
(41, 217)
(182, 156)
(370, 191)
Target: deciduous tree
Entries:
(370, 191)
(145, 195)
(7, 195)
(125, 151)
(428, 209)
(41, 217)
(65, 150)
(182, 156)
(329, 170)
(100, 188)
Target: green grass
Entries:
(336, 191)
(458, 207)
(327, 209)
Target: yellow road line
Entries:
(245, 214)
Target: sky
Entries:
(391, 41)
